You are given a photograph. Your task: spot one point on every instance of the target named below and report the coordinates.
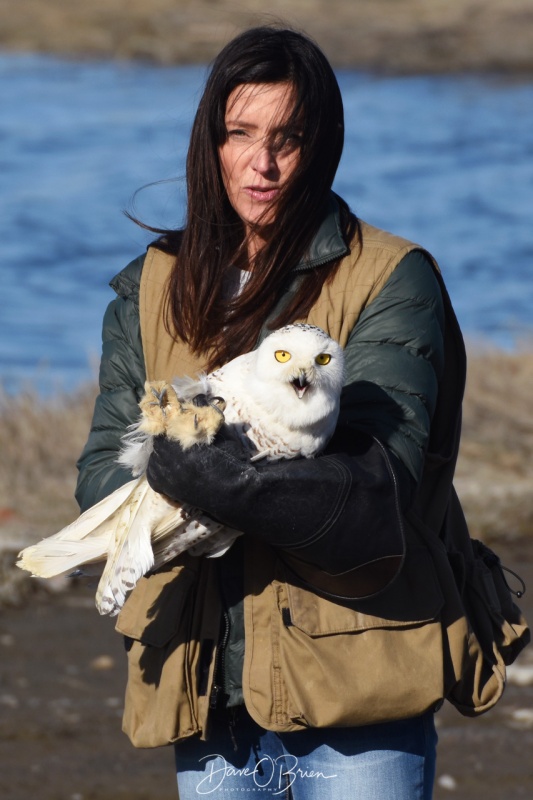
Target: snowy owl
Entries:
(279, 401)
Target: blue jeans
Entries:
(391, 761)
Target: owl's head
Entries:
(303, 369)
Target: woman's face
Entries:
(260, 152)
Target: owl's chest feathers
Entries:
(269, 412)
(276, 436)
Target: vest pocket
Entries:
(161, 695)
(367, 661)
(413, 598)
(150, 614)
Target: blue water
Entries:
(446, 161)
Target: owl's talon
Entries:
(160, 396)
(194, 423)
(155, 412)
(219, 404)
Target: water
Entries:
(444, 161)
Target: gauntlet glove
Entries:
(339, 512)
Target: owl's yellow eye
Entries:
(322, 359)
(282, 356)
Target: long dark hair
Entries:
(214, 236)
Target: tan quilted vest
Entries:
(172, 617)
(311, 662)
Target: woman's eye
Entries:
(322, 359)
(236, 133)
(289, 142)
(296, 138)
(282, 356)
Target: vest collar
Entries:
(328, 243)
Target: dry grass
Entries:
(495, 469)
(40, 441)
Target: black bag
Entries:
(483, 628)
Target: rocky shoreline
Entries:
(387, 36)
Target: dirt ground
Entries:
(62, 676)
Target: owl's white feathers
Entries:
(286, 408)
(281, 401)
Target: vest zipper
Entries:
(320, 261)
(218, 673)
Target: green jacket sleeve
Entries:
(394, 360)
(122, 376)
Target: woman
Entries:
(282, 666)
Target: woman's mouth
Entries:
(262, 195)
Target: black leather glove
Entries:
(336, 511)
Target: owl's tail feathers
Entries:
(84, 541)
(53, 557)
(146, 521)
(130, 550)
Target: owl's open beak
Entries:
(300, 385)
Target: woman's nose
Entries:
(264, 160)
